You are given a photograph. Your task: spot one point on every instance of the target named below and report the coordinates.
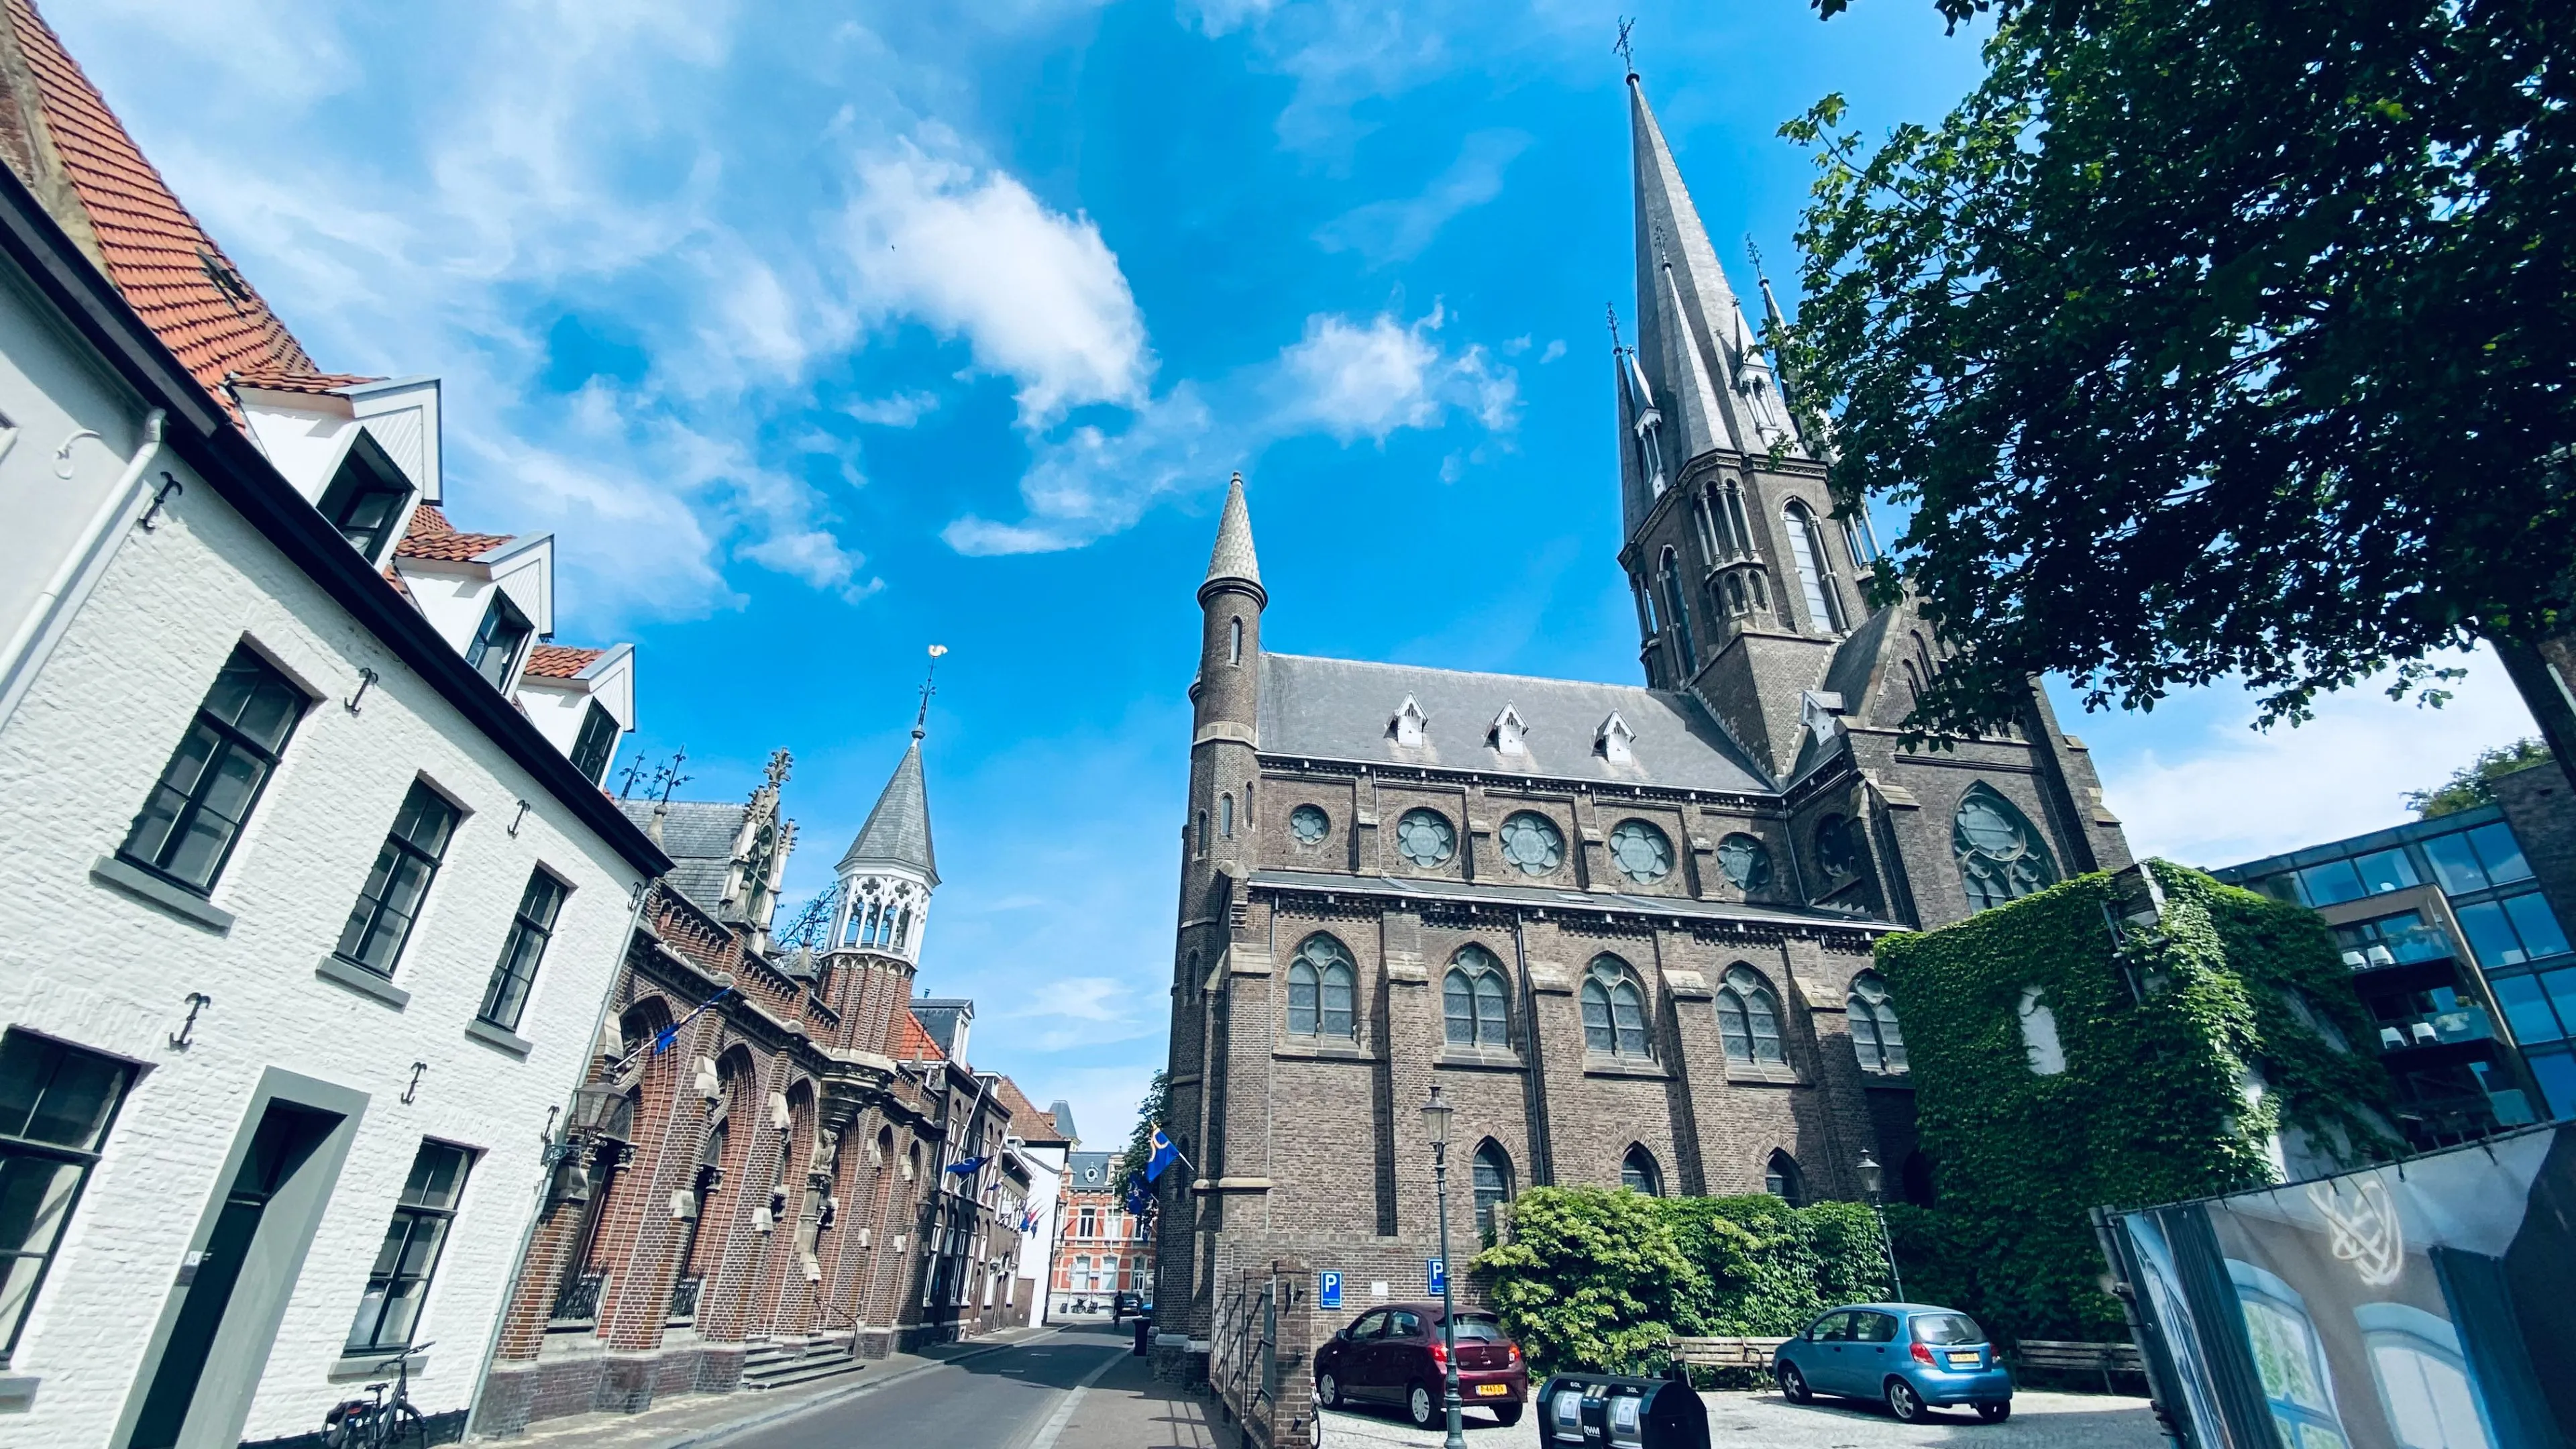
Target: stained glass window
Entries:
(1474, 1007)
(1320, 990)
(1614, 1010)
(1642, 852)
(1781, 1179)
(1875, 1037)
(1748, 1018)
(1425, 837)
(2001, 858)
(1493, 1177)
(1638, 1173)
(1309, 824)
(1746, 862)
(1532, 843)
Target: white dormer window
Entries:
(1409, 723)
(494, 654)
(1509, 735)
(367, 497)
(1614, 740)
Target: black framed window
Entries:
(204, 796)
(382, 919)
(516, 971)
(399, 1283)
(57, 1103)
(365, 496)
(495, 650)
(596, 743)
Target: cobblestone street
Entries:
(2039, 1421)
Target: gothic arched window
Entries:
(1493, 1176)
(1473, 1004)
(1806, 552)
(1781, 1179)
(1748, 1018)
(1735, 516)
(1875, 1037)
(1614, 1009)
(903, 928)
(1671, 578)
(1225, 816)
(1638, 1173)
(2001, 857)
(1234, 645)
(1320, 994)
(1708, 547)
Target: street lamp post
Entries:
(1873, 1181)
(1435, 1122)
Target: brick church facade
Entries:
(1625, 929)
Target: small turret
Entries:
(889, 871)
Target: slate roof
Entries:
(1233, 558)
(1062, 1112)
(898, 829)
(939, 1016)
(1461, 892)
(1089, 1171)
(560, 661)
(1341, 709)
(698, 835)
(169, 269)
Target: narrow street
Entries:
(1076, 1388)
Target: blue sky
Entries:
(819, 334)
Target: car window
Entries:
(1400, 1324)
(1832, 1328)
(1369, 1324)
(1947, 1328)
(1478, 1328)
(1873, 1328)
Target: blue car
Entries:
(1913, 1356)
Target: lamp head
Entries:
(1872, 1177)
(1435, 1118)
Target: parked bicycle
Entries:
(379, 1422)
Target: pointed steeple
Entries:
(1233, 560)
(898, 830)
(1693, 341)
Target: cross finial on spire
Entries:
(1626, 53)
(1614, 326)
(780, 764)
(929, 687)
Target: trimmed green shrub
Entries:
(1598, 1279)
(2186, 1050)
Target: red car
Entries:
(1395, 1355)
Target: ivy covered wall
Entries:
(2191, 1059)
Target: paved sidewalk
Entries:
(690, 1420)
(1762, 1417)
(1128, 1408)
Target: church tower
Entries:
(1744, 580)
(888, 872)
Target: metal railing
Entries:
(577, 1301)
(684, 1299)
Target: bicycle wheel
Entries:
(402, 1428)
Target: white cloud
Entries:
(1036, 293)
(1355, 380)
(1392, 231)
(1218, 17)
(898, 410)
(2231, 794)
(1555, 350)
(1093, 482)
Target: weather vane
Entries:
(929, 687)
(1627, 55)
(1614, 326)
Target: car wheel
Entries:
(1904, 1403)
(1995, 1413)
(1420, 1407)
(1328, 1390)
(1507, 1414)
(1793, 1384)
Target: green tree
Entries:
(1140, 1143)
(1588, 1278)
(2469, 787)
(2214, 338)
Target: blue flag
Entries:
(1139, 1196)
(1165, 1154)
(969, 1166)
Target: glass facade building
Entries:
(2458, 957)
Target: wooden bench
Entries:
(1752, 1353)
(2103, 1358)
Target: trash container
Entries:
(1145, 1340)
(1610, 1412)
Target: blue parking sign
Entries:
(1437, 1270)
(1328, 1290)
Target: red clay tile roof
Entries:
(1036, 1128)
(911, 1043)
(431, 536)
(560, 661)
(171, 272)
(312, 382)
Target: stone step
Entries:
(788, 1372)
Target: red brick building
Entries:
(775, 1171)
(1101, 1248)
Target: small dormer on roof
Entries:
(1615, 741)
(1820, 711)
(1508, 735)
(1410, 724)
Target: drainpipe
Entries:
(80, 572)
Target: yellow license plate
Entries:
(1963, 1360)
(1493, 1391)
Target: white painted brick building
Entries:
(224, 1075)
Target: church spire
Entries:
(1693, 341)
(898, 829)
(1233, 560)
